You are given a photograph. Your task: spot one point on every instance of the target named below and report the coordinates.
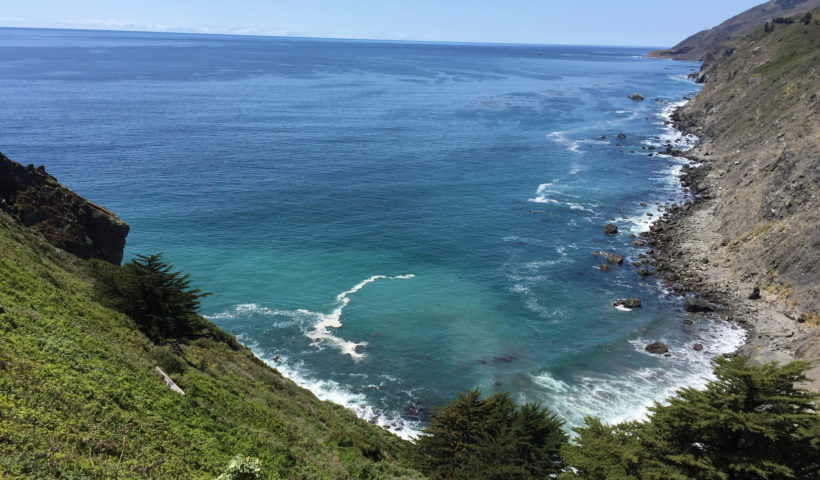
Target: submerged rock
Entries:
(603, 267)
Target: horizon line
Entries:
(306, 37)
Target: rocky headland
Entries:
(701, 46)
(66, 220)
(750, 240)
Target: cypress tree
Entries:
(159, 300)
(474, 438)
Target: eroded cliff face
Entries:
(65, 219)
(758, 117)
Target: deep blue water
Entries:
(386, 223)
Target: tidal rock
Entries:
(604, 267)
(658, 348)
(610, 229)
(638, 243)
(615, 258)
(697, 347)
(636, 96)
(621, 135)
(696, 305)
(688, 322)
(636, 264)
(644, 272)
(630, 302)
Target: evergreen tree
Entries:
(479, 439)
(538, 438)
(604, 452)
(160, 301)
(750, 423)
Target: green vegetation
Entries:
(474, 438)
(160, 301)
(752, 422)
(79, 397)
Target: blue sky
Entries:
(582, 22)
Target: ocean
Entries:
(385, 223)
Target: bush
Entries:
(242, 468)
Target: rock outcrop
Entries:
(65, 219)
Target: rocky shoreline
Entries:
(682, 251)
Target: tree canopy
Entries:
(490, 438)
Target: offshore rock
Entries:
(610, 229)
(615, 258)
(636, 96)
(65, 219)
(631, 302)
(658, 348)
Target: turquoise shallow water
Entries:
(386, 223)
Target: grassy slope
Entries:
(77, 378)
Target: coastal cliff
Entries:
(751, 241)
(701, 46)
(85, 394)
(65, 219)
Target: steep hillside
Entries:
(756, 221)
(80, 396)
(700, 45)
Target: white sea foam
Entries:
(320, 332)
(622, 308)
(243, 309)
(627, 396)
(578, 206)
(339, 394)
(542, 193)
(572, 145)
